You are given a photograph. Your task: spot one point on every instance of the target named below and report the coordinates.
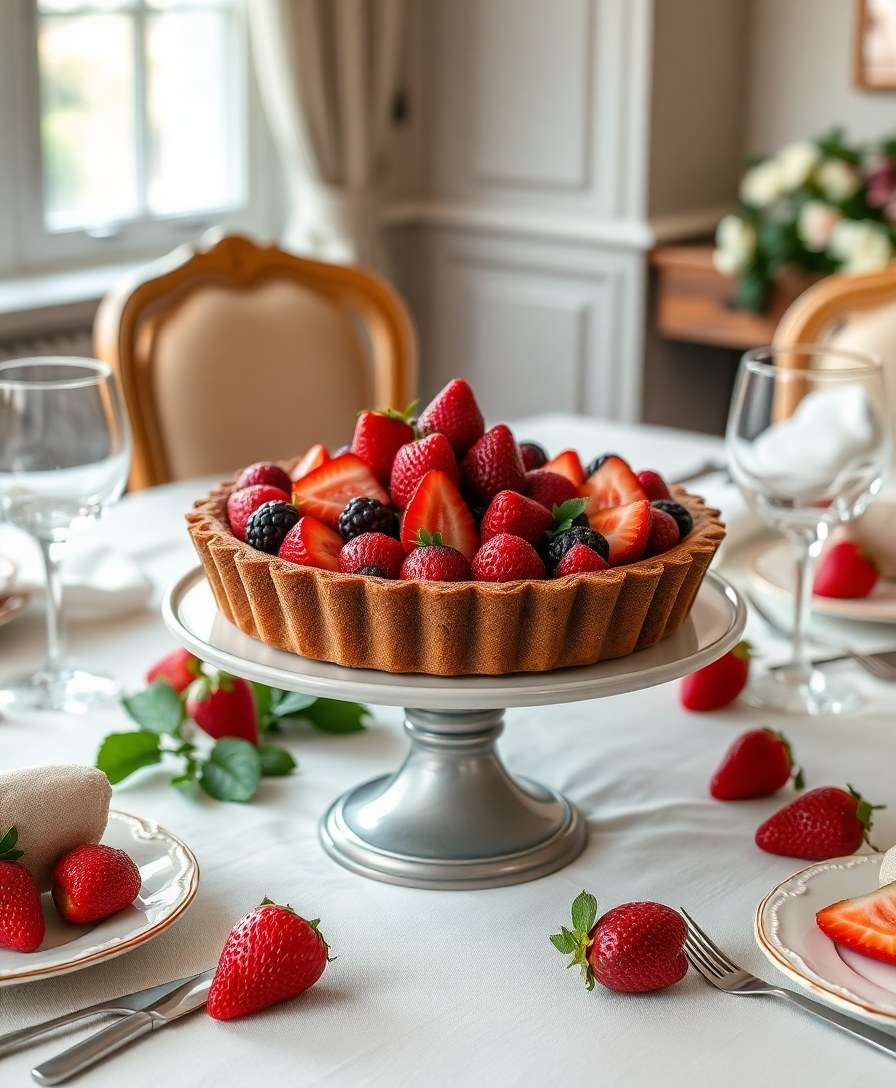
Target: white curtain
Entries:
(328, 72)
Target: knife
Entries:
(186, 998)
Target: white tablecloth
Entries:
(462, 987)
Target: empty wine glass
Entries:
(64, 454)
(808, 444)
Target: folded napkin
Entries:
(888, 867)
(54, 809)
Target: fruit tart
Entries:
(434, 545)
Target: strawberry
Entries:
(507, 558)
(270, 955)
(372, 550)
(414, 460)
(312, 544)
(93, 882)
(663, 533)
(845, 570)
(533, 456)
(568, 464)
(437, 506)
(511, 512)
(379, 436)
(632, 948)
(264, 472)
(179, 669)
(866, 924)
(223, 706)
(626, 528)
(549, 488)
(758, 763)
(612, 484)
(432, 561)
(22, 924)
(719, 683)
(242, 504)
(493, 464)
(455, 414)
(324, 492)
(315, 457)
(580, 559)
(653, 485)
(827, 822)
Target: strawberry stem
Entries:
(864, 814)
(578, 940)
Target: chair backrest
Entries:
(240, 352)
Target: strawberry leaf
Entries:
(275, 762)
(8, 850)
(584, 912)
(335, 716)
(121, 754)
(157, 708)
(286, 703)
(564, 942)
(232, 770)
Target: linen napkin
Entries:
(888, 867)
(54, 809)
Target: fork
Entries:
(705, 956)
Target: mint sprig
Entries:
(565, 514)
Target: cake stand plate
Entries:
(452, 816)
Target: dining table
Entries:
(437, 988)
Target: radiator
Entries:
(65, 342)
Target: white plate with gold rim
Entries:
(170, 877)
(786, 933)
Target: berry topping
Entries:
(549, 488)
(433, 561)
(653, 485)
(578, 534)
(595, 464)
(580, 559)
(719, 683)
(493, 464)
(845, 570)
(455, 414)
(511, 512)
(312, 544)
(663, 532)
(758, 763)
(266, 529)
(533, 455)
(242, 504)
(507, 558)
(372, 550)
(612, 484)
(568, 464)
(414, 460)
(264, 472)
(363, 515)
(627, 529)
(379, 436)
(680, 513)
(437, 506)
(314, 458)
(324, 492)
(827, 822)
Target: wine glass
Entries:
(809, 443)
(64, 454)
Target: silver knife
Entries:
(185, 999)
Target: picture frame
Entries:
(874, 45)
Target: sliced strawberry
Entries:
(312, 544)
(866, 924)
(627, 529)
(568, 464)
(324, 492)
(612, 484)
(437, 506)
(314, 458)
(378, 437)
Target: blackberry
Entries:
(370, 569)
(533, 455)
(478, 512)
(579, 534)
(682, 516)
(270, 523)
(363, 515)
(597, 462)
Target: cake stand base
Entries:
(452, 816)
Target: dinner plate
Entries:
(786, 932)
(772, 570)
(170, 878)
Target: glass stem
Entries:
(806, 548)
(50, 552)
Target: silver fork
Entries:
(705, 956)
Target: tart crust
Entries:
(452, 628)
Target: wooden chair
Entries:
(239, 352)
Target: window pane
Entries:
(194, 107)
(87, 119)
(56, 6)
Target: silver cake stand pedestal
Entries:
(452, 816)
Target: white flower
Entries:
(862, 245)
(816, 224)
(796, 162)
(838, 179)
(735, 245)
(762, 184)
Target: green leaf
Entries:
(158, 708)
(121, 754)
(290, 702)
(335, 716)
(584, 912)
(8, 851)
(565, 514)
(563, 942)
(263, 697)
(275, 761)
(232, 770)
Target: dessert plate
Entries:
(786, 932)
(771, 568)
(170, 880)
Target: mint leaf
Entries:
(584, 912)
(335, 716)
(564, 942)
(565, 514)
(232, 770)
(286, 703)
(121, 754)
(158, 708)
(8, 851)
(275, 761)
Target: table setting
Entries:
(648, 749)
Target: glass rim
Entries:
(100, 372)
(864, 363)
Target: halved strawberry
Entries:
(379, 436)
(866, 924)
(612, 484)
(314, 458)
(568, 464)
(324, 492)
(627, 529)
(437, 506)
(312, 544)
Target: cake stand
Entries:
(452, 816)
